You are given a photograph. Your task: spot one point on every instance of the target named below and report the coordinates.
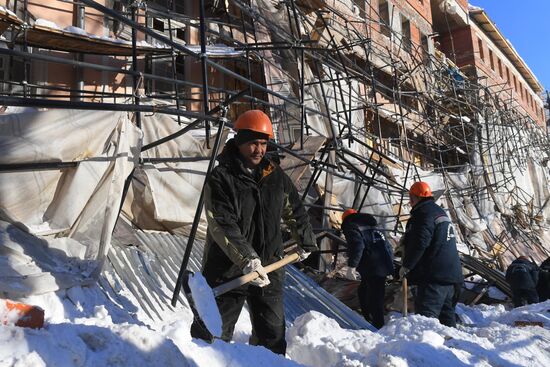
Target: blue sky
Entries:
(525, 24)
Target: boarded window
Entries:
(480, 47)
(158, 24)
(384, 15)
(406, 33)
(425, 48)
(180, 64)
(360, 7)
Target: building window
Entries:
(491, 60)
(384, 14)
(515, 84)
(180, 33)
(158, 24)
(180, 64)
(360, 7)
(406, 33)
(508, 75)
(521, 91)
(3, 76)
(499, 63)
(480, 47)
(425, 48)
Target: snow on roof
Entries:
(474, 8)
(7, 11)
(46, 23)
(216, 50)
(81, 32)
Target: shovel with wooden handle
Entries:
(405, 287)
(202, 300)
(237, 282)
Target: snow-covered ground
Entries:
(84, 327)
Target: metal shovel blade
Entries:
(202, 302)
(202, 298)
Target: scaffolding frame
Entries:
(401, 105)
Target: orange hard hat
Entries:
(254, 120)
(421, 189)
(348, 212)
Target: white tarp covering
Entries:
(81, 202)
(164, 195)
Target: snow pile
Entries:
(8, 316)
(85, 328)
(315, 340)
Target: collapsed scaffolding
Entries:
(358, 117)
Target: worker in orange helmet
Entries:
(431, 260)
(246, 196)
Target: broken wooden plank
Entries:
(521, 323)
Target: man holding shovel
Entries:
(430, 258)
(246, 196)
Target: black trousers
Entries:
(371, 298)
(522, 297)
(437, 301)
(266, 315)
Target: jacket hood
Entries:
(422, 203)
(361, 219)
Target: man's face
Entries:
(413, 200)
(253, 151)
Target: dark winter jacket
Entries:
(368, 249)
(543, 285)
(244, 212)
(430, 246)
(522, 274)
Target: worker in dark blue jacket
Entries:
(431, 260)
(370, 253)
(523, 276)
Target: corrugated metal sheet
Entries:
(147, 264)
